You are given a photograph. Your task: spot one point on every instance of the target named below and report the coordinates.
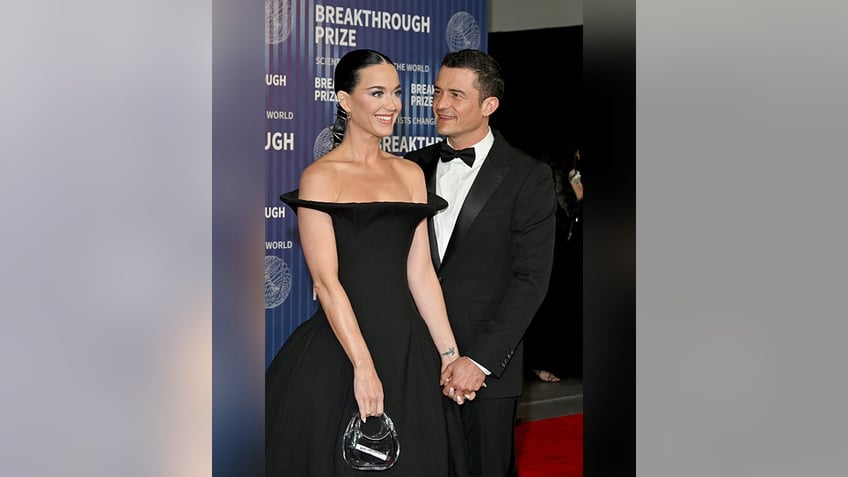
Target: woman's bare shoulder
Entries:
(403, 164)
(320, 181)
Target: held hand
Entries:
(461, 380)
(368, 391)
(460, 398)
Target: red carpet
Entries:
(550, 447)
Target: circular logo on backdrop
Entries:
(278, 21)
(462, 32)
(323, 143)
(278, 281)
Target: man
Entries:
(493, 250)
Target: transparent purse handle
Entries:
(372, 445)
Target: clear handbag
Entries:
(370, 445)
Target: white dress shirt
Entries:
(453, 181)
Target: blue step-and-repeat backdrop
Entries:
(304, 39)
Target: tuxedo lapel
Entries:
(429, 168)
(488, 179)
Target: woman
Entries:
(370, 346)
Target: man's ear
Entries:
(490, 104)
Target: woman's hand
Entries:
(461, 380)
(368, 391)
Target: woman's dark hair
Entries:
(346, 78)
(489, 79)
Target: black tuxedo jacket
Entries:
(496, 267)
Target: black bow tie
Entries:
(448, 154)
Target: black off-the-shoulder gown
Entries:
(309, 384)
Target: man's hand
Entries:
(461, 380)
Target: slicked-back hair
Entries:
(346, 77)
